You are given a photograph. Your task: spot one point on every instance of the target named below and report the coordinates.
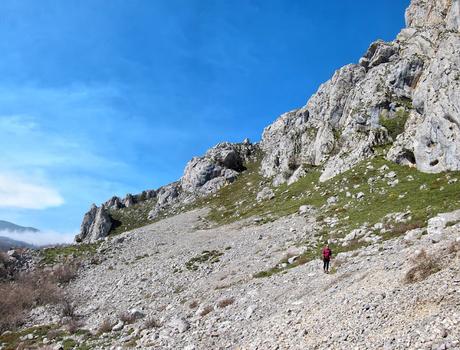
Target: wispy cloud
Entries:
(39, 238)
(16, 192)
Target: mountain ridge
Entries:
(9, 226)
(384, 100)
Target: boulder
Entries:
(306, 209)
(265, 194)
(179, 324)
(437, 225)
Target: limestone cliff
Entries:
(413, 81)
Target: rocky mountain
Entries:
(401, 96)
(229, 256)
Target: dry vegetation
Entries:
(27, 291)
(151, 323)
(225, 302)
(21, 292)
(105, 326)
(127, 317)
(424, 265)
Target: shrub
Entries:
(68, 309)
(193, 304)
(127, 317)
(454, 248)
(403, 227)
(225, 302)
(151, 323)
(105, 326)
(205, 310)
(27, 291)
(424, 266)
(4, 258)
(65, 273)
(73, 326)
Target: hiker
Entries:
(327, 253)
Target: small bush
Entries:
(4, 258)
(193, 304)
(68, 309)
(205, 310)
(73, 326)
(65, 273)
(127, 317)
(225, 302)
(425, 266)
(151, 323)
(403, 227)
(105, 326)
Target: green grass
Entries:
(395, 126)
(69, 344)
(12, 340)
(379, 200)
(50, 256)
(127, 219)
(207, 256)
(238, 200)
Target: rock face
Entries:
(96, 225)
(414, 80)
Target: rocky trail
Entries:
(218, 304)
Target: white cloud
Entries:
(16, 192)
(39, 238)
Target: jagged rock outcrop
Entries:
(207, 174)
(415, 79)
(221, 164)
(96, 225)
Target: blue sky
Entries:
(113, 97)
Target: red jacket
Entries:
(327, 252)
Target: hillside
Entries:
(229, 256)
(9, 226)
(8, 243)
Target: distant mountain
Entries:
(8, 243)
(9, 226)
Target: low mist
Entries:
(40, 238)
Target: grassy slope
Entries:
(237, 201)
(424, 195)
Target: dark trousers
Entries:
(326, 264)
